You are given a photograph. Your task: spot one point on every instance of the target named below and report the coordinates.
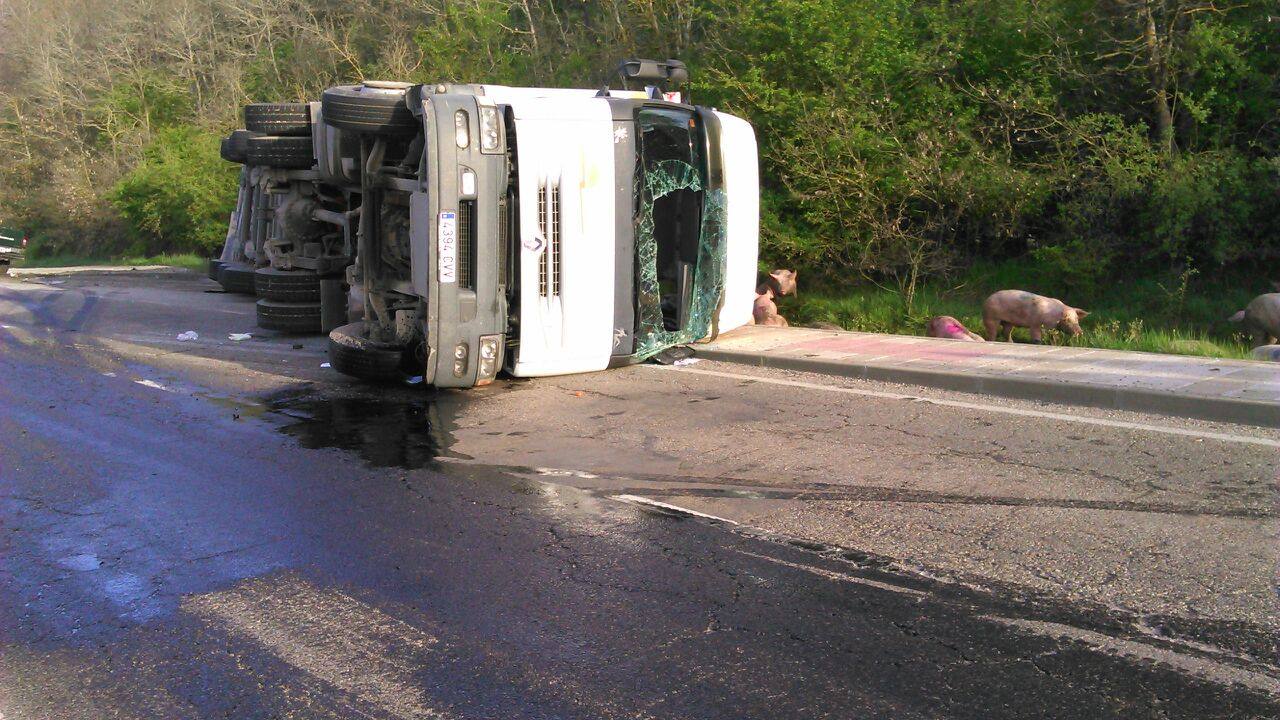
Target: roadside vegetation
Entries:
(1121, 155)
(1150, 314)
(191, 261)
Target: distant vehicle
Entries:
(11, 249)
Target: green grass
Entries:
(1148, 314)
(189, 261)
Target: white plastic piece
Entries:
(189, 335)
(237, 337)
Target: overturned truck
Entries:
(483, 228)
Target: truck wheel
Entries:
(278, 118)
(374, 108)
(215, 267)
(281, 152)
(351, 353)
(236, 278)
(289, 317)
(287, 285)
(235, 145)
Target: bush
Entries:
(178, 198)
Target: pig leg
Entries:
(1008, 330)
(1037, 332)
(992, 327)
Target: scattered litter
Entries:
(108, 374)
(685, 361)
(579, 393)
(415, 380)
(151, 384)
(237, 337)
(324, 365)
(56, 282)
(189, 335)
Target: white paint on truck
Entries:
(565, 157)
(742, 198)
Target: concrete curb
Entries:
(1243, 412)
(20, 272)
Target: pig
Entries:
(765, 311)
(1267, 352)
(1261, 318)
(1007, 309)
(782, 282)
(945, 326)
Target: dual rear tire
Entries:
(352, 353)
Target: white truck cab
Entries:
(555, 231)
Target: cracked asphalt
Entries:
(219, 529)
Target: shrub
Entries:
(178, 198)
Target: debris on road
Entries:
(188, 335)
(237, 337)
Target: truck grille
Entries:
(549, 226)
(466, 244)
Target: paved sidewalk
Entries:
(1239, 391)
(21, 272)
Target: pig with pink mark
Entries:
(1261, 318)
(1007, 309)
(945, 326)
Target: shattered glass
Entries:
(661, 179)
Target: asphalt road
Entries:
(220, 529)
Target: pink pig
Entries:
(945, 326)
(1008, 309)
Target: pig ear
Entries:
(1082, 314)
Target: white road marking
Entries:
(837, 576)
(1201, 667)
(667, 506)
(1043, 414)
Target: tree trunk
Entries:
(1159, 78)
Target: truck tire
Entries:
(351, 353)
(236, 278)
(289, 317)
(287, 285)
(278, 118)
(215, 267)
(374, 108)
(279, 151)
(235, 145)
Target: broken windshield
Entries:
(679, 229)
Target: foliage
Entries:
(179, 196)
(903, 142)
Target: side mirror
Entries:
(657, 73)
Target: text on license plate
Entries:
(448, 247)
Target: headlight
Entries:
(490, 358)
(489, 138)
(461, 129)
(460, 360)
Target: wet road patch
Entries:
(395, 431)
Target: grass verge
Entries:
(1149, 314)
(195, 263)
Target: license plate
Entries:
(448, 247)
